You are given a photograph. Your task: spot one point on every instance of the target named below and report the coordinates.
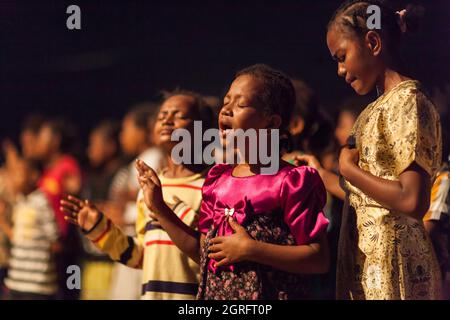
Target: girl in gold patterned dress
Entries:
(388, 165)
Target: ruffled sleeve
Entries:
(208, 197)
(303, 198)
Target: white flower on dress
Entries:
(373, 277)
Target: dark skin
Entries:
(330, 179)
(362, 63)
(48, 149)
(238, 112)
(175, 113)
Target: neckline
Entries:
(233, 176)
(190, 178)
(259, 174)
(401, 83)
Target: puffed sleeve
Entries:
(303, 198)
(412, 132)
(206, 216)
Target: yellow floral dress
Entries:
(382, 253)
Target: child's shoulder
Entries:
(291, 170)
(301, 181)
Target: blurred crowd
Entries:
(37, 244)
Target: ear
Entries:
(373, 42)
(297, 125)
(274, 122)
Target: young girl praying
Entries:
(168, 273)
(384, 251)
(259, 235)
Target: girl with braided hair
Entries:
(389, 162)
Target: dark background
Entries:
(127, 51)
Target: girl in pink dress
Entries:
(259, 235)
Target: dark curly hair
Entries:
(278, 96)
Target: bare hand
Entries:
(11, 153)
(348, 157)
(151, 187)
(309, 159)
(80, 213)
(231, 249)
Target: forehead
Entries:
(246, 86)
(46, 129)
(98, 133)
(336, 39)
(178, 102)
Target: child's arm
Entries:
(330, 180)
(311, 258)
(103, 233)
(5, 225)
(409, 195)
(184, 237)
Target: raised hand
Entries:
(80, 213)
(151, 187)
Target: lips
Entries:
(225, 128)
(166, 132)
(351, 80)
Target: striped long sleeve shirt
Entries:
(167, 272)
(32, 266)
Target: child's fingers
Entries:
(68, 212)
(146, 181)
(234, 225)
(215, 248)
(71, 220)
(302, 159)
(223, 262)
(149, 171)
(70, 205)
(217, 256)
(139, 167)
(75, 200)
(217, 240)
(142, 165)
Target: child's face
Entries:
(241, 108)
(357, 63)
(344, 126)
(176, 112)
(47, 142)
(132, 137)
(28, 141)
(100, 149)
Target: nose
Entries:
(227, 110)
(341, 70)
(168, 119)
